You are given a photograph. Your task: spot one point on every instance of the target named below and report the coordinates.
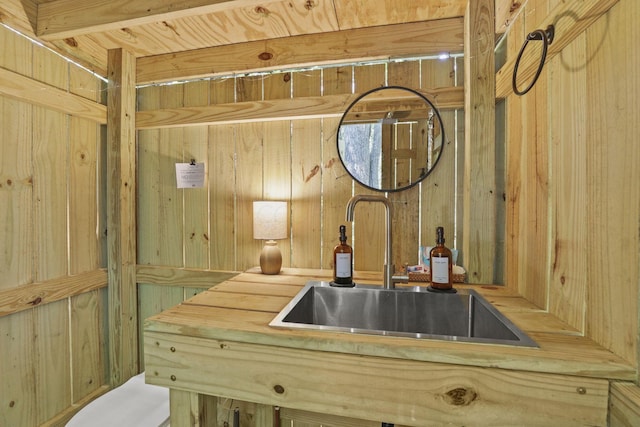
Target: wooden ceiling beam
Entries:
(384, 42)
(62, 19)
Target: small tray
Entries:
(424, 277)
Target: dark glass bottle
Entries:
(342, 260)
(441, 263)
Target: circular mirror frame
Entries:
(423, 176)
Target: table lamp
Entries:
(270, 223)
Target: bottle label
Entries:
(343, 265)
(440, 270)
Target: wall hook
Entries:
(546, 36)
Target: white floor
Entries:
(133, 404)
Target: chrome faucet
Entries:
(388, 267)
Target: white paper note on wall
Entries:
(190, 175)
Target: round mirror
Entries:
(390, 138)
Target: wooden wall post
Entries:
(121, 216)
(479, 220)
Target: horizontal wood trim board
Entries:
(68, 18)
(570, 20)
(389, 41)
(32, 295)
(279, 109)
(22, 88)
(160, 275)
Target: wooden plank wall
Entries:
(573, 205)
(292, 160)
(52, 340)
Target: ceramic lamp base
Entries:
(270, 258)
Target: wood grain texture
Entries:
(306, 193)
(329, 48)
(612, 111)
(195, 146)
(444, 98)
(64, 18)
(429, 392)
(88, 326)
(17, 86)
(19, 384)
(121, 190)
(555, 150)
(582, 14)
(238, 376)
(624, 406)
(479, 244)
(568, 269)
(52, 355)
(13, 300)
(561, 351)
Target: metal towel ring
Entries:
(547, 38)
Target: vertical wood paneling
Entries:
(337, 80)
(613, 165)
(196, 233)
(48, 205)
(277, 86)
(573, 205)
(369, 225)
(121, 196)
(568, 275)
(169, 203)
(479, 244)
(83, 207)
(336, 183)
(18, 388)
(50, 177)
(249, 175)
(306, 83)
(306, 191)
(306, 177)
(16, 183)
(16, 193)
(222, 189)
(88, 343)
(336, 192)
(406, 204)
(514, 146)
(52, 349)
(438, 190)
(147, 169)
(50, 151)
(277, 172)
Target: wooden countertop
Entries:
(241, 308)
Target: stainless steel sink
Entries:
(404, 312)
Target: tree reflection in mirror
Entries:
(390, 138)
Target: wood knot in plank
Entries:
(36, 301)
(265, 56)
(261, 10)
(71, 42)
(313, 173)
(310, 4)
(460, 396)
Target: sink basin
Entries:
(404, 312)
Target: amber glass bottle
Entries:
(342, 260)
(441, 263)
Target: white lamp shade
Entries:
(270, 220)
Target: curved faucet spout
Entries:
(351, 206)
